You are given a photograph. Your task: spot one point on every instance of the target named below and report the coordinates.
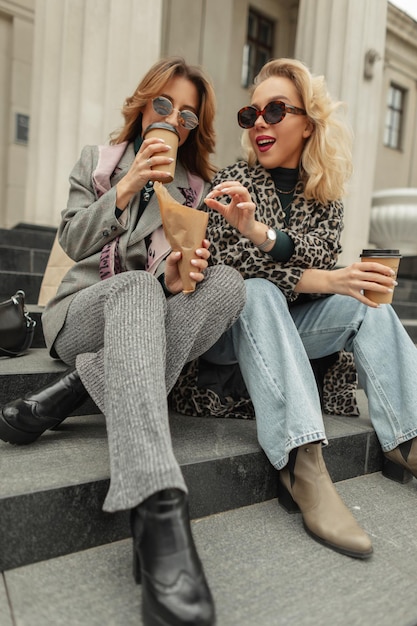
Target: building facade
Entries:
(66, 68)
(396, 164)
(16, 70)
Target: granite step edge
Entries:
(222, 463)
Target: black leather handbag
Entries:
(16, 326)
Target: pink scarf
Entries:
(158, 249)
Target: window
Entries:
(394, 117)
(22, 129)
(259, 46)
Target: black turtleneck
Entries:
(285, 180)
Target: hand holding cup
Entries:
(389, 258)
(167, 132)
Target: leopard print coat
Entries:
(315, 230)
(198, 393)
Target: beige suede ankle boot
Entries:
(400, 464)
(305, 485)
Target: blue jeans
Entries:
(273, 345)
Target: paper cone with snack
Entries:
(185, 228)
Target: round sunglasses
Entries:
(164, 107)
(273, 113)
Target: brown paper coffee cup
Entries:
(390, 258)
(169, 134)
(185, 228)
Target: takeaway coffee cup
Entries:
(391, 258)
(169, 134)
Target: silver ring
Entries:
(148, 161)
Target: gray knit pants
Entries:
(130, 344)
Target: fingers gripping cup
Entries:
(390, 258)
(169, 134)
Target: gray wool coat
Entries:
(89, 222)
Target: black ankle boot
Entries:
(174, 588)
(25, 419)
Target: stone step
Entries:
(261, 566)
(405, 310)
(405, 305)
(408, 267)
(10, 282)
(411, 327)
(19, 259)
(60, 481)
(29, 372)
(405, 291)
(28, 236)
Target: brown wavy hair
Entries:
(195, 153)
(326, 161)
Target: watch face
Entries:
(271, 234)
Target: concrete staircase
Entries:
(65, 562)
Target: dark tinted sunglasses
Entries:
(273, 113)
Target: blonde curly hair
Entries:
(326, 160)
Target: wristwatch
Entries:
(271, 237)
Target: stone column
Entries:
(88, 56)
(344, 40)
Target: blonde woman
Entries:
(277, 217)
